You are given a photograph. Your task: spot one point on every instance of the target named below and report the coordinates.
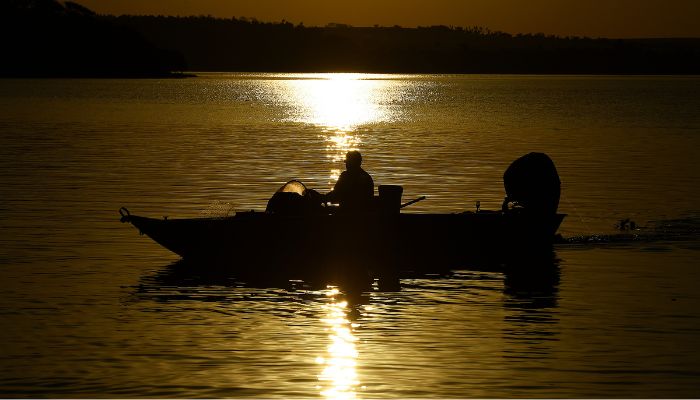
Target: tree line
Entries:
(241, 44)
(71, 39)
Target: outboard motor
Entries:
(532, 182)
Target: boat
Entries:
(296, 235)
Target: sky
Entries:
(593, 18)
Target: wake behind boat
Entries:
(296, 235)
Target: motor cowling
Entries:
(532, 182)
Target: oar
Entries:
(412, 201)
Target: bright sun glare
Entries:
(340, 104)
(338, 101)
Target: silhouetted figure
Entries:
(532, 182)
(354, 190)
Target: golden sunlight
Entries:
(339, 102)
(339, 376)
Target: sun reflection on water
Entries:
(340, 103)
(338, 378)
(339, 143)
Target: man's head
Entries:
(353, 160)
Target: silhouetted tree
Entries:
(211, 44)
(49, 38)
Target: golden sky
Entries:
(595, 18)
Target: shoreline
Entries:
(170, 75)
(195, 74)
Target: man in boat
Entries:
(354, 190)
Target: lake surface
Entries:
(91, 309)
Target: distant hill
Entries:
(52, 38)
(213, 44)
(48, 38)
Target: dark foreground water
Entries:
(91, 309)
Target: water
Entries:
(92, 309)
